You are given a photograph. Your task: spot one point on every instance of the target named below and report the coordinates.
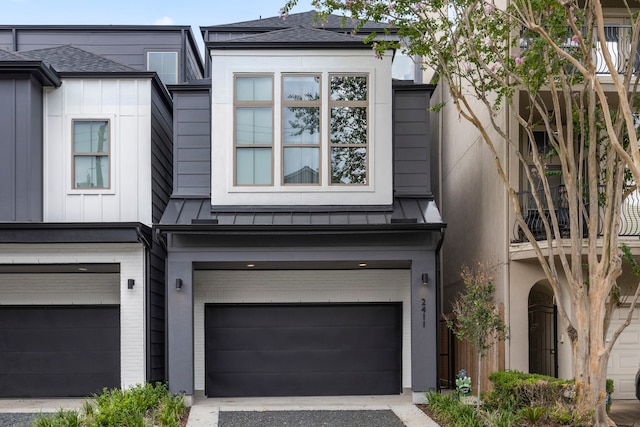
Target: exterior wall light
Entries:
(130, 283)
(425, 279)
(178, 284)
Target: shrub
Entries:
(520, 390)
(142, 405)
(449, 409)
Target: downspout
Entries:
(14, 34)
(183, 57)
(147, 300)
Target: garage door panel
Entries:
(47, 385)
(308, 349)
(86, 362)
(30, 340)
(305, 315)
(295, 384)
(66, 350)
(30, 317)
(299, 338)
(302, 361)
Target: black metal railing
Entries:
(629, 224)
(618, 42)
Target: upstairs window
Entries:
(91, 146)
(301, 140)
(348, 128)
(253, 130)
(165, 64)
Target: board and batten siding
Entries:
(300, 286)
(20, 150)
(126, 103)
(82, 288)
(192, 142)
(411, 142)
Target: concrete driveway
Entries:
(362, 411)
(625, 413)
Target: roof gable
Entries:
(311, 18)
(299, 36)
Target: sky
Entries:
(141, 12)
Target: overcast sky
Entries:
(141, 12)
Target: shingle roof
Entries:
(309, 19)
(68, 58)
(411, 212)
(5, 55)
(299, 35)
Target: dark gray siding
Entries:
(192, 136)
(122, 45)
(162, 183)
(411, 141)
(20, 150)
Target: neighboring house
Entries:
(482, 228)
(169, 50)
(86, 159)
(302, 236)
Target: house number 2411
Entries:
(424, 312)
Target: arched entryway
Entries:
(543, 327)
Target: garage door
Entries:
(302, 350)
(58, 351)
(624, 360)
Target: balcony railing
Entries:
(629, 215)
(618, 42)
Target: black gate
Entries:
(543, 339)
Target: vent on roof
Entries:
(196, 221)
(404, 220)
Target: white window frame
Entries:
(70, 168)
(175, 53)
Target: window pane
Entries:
(348, 88)
(301, 165)
(253, 166)
(253, 88)
(254, 125)
(165, 64)
(348, 165)
(301, 125)
(348, 125)
(91, 171)
(301, 88)
(90, 136)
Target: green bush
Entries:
(519, 390)
(149, 404)
(449, 409)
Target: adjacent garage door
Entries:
(302, 350)
(58, 351)
(624, 360)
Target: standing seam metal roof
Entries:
(188, 211)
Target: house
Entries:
(482, 227)
(302, 235)
(87, 144)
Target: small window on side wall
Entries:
(165, 64)
(91, 151)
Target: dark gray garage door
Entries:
(303, 350)
(58, 351)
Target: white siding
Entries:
(379, 189)
(305, 286)
(82, 288)
(127, 104)
(624, 361)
